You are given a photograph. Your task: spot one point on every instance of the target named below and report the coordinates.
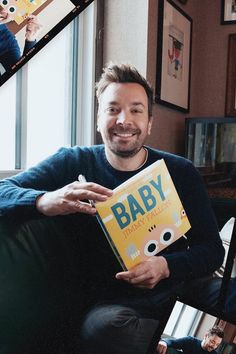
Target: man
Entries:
(122, 307)
(211, 341)
(10, 51)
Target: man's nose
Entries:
(213, 346)
(123, 117)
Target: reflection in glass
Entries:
(7, 123)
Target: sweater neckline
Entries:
(128, 172)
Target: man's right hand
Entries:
(33, 28)
(161, 347)
(72, 199)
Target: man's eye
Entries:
(111, 110)
(135, 111)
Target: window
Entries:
(183, 320)
(50, 98)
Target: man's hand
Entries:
(161, 347)
(71, 199)
(33, 28)
(146, 274)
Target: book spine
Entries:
(109, 239)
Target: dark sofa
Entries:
(32, 318)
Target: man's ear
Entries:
(150, 125)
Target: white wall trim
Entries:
(86, 75)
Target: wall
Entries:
(131, 35)
(125, 32)
(210, 60)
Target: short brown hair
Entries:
(217, 331)
(124, 73)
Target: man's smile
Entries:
(124, 135)
(3, 15)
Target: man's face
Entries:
(5, 17)
(211, 342)
(123, 118)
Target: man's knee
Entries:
(106, 319)
(116, 329)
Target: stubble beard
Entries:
(125, 151)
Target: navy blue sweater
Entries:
(9, 47)
(203, 252)
(187, 345)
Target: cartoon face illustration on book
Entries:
(21, 9)
(158, 237)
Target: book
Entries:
(21, 9)
(143, 216)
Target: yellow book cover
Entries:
(143, 216)
(21, 9)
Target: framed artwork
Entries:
(228, 12)
(173, 56)
(26, 26)
(230, 102)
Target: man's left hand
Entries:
(146, 274)
(33, 28)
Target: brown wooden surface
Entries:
(222, 192)
(14, 27)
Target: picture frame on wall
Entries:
(230, 101)
(228, 12)
(173, 56)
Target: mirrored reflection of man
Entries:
(211, 341)
(10, 51)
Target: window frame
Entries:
(82, 79)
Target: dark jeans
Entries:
(116, 329)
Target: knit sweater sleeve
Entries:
(28, 46)
(205, 251)
(10, 51)
(9, 48)
(18, 194)
(186, 344)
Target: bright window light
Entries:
(47, 117)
